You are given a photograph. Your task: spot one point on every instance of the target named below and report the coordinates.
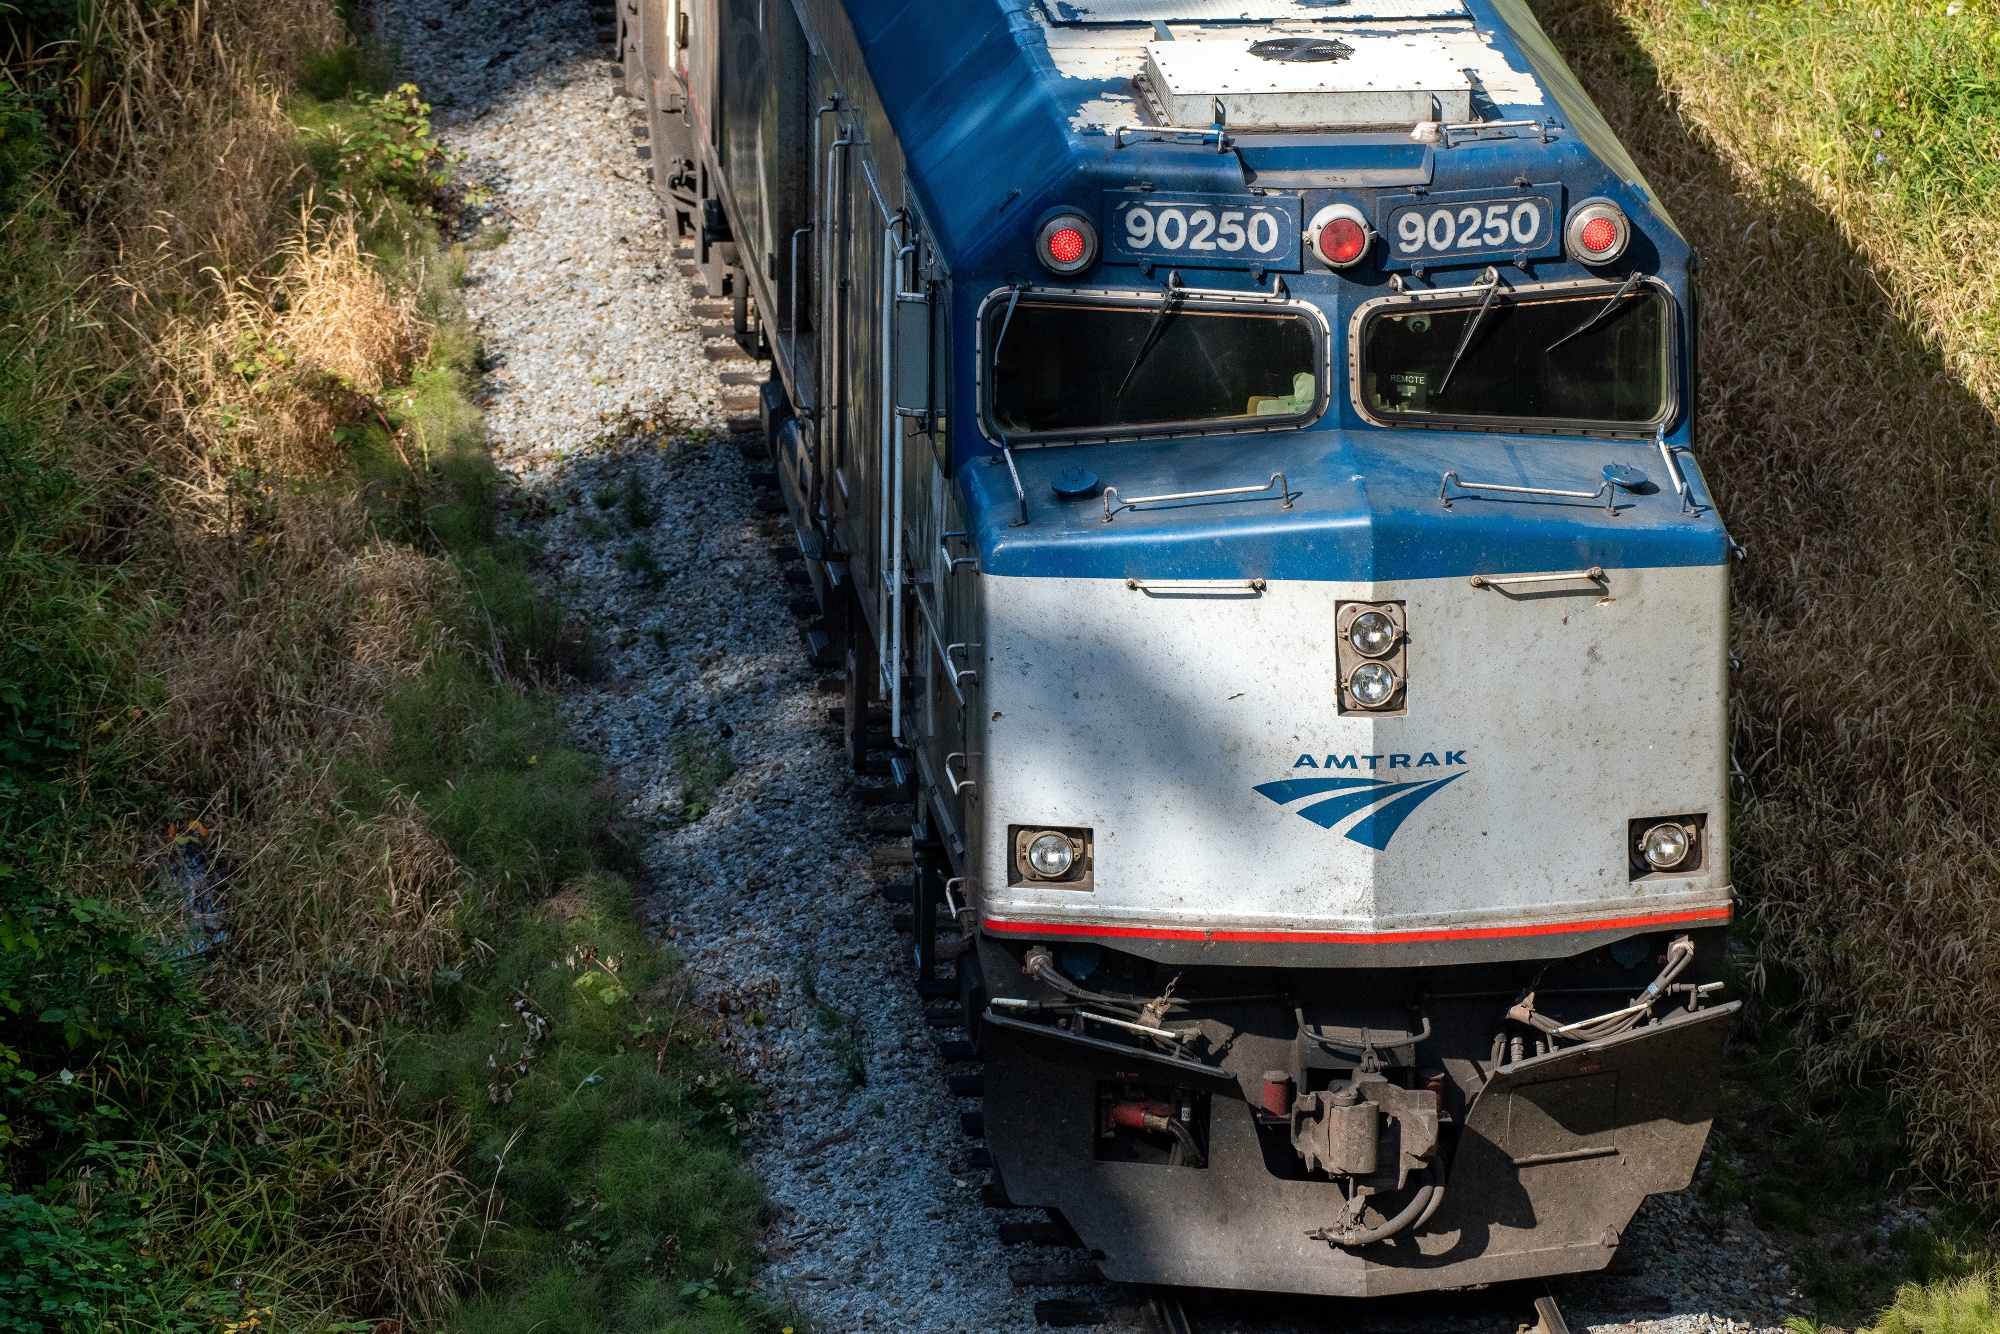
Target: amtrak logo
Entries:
(1381, 803)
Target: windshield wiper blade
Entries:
(1006, 320)
(1600, 315)
(1170, 296)
(1472, 328)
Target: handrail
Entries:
(1170, 586)
(1606, 491)
(1277, 480)
(1681, 487)
(1595, 574)
(958, 784)
(944, 649)
(1222, 137)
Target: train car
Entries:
(1244, 453)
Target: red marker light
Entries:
(1340, 235)
(1066, 243)
(1598, 233)
(1342, 241)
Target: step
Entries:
(967, 1086)
(958, 1049)
(1054, 1276)
(1068, 1313)
(1043, 1233)
(994, 1196)
(819, 649)
(938, 988)
(952, 1017)
(973, 1124)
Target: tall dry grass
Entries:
(1847, 424)
(254, 327)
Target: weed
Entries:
(841, 1028)
(640, 563)
(635, 505)
(701, 764)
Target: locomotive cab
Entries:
(1249, 465)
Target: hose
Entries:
(1679, 954)
(1040, 965)
(1417, 1212)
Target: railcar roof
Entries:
(997, 102)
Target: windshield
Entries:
(1600, 359)
(1068, 367)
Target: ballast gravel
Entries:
(602, 405)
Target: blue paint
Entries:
(1364, 508)
(970, 95)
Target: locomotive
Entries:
(1243, 452)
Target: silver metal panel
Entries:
(1531, 703)
(1246, 11)
(1389, 79)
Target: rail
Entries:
(1277, 480)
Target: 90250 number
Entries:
(1213, 231)
(1202, 229)
(1472, 228)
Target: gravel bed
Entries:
(601, 404)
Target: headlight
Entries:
(1051, 855)
(1666, 846)
(1372, 685)
(1372, 633)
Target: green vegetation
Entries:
(1834, 162)
(291, 842)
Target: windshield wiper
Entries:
(1601, 314)
(1006, 320)
(1170, 296)
(1472, 328)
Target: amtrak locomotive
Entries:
(1243, 453)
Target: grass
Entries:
(291, 841)
(1833, 161)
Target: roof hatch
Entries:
(1246, 11)
(1359, 79)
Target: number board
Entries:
(1466, 226)
(1202, 231)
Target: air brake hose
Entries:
(1418, 1211)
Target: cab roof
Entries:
(998, 104)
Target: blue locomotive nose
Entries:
(1361, 505)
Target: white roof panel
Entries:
(1381, 79)
(1247, 11)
